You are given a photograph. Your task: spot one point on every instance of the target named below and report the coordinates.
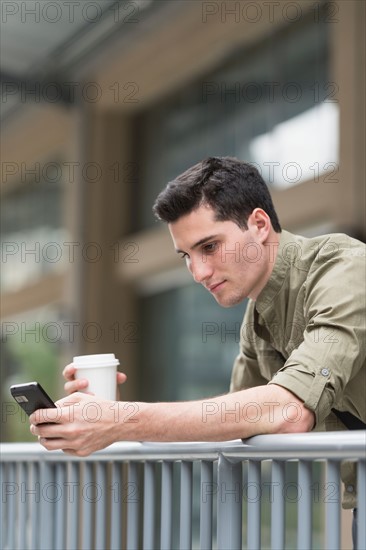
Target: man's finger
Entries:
(46, 416)
(52, 444)
(121, 378)
(69, 371)
(76, 385)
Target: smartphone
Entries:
(31, 397)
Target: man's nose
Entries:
(201, 270)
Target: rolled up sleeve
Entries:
(311, 387)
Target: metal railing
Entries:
(256, 494)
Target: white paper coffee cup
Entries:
(101, 372)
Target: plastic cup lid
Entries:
(97, 360)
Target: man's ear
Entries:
(260, 223)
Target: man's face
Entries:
(232, 263)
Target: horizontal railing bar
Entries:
(310, 454)
(233, 456)
(319, 445)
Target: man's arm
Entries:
(85, 423)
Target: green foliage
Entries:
(34, 361)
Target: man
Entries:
(302, 350)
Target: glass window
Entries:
(270, 104)
(32, 232)
(188, 344)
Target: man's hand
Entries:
(80, 425)
(74, 385)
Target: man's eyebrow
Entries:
(198, 243)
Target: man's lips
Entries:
(216, 286)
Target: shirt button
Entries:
(350, 488)
(325, 372)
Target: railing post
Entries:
(73, 516)
(206, 498)
(186, 506)
(133, 500)
(22, 503)
(361, 496)
(9, 497)
(47, 507)
(278, 506)
(304, 509)
(333, 506)
(254, 505)
(60, 535)
(86, 512)
(166, 505)
(3, 510)
(100, 505)
(148, 542)
(229, 504)
(116, 506)
(33, 479)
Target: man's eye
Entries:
(209, 248)
(184, 255)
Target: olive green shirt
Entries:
(306, 330)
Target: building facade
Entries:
(123, 105)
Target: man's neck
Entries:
(270, 250)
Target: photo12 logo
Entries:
(70, 11)
(269, 11)
(70, 172)
(52, 91)
(55, 332)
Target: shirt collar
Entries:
(286, 253)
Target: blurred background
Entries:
(102, 103)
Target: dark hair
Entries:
(232, 188)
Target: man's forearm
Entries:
(265, 409)
(82, 424)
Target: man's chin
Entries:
(229, 301)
